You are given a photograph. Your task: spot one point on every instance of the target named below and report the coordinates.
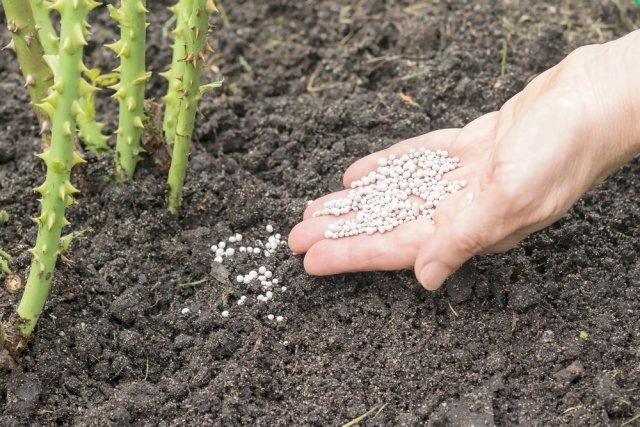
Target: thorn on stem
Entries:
(28, 39)
(10, 46)
(29, 81)
(12, 26)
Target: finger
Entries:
(318, 204)
(437, 140)
(458, 237)
(389, 251)
(308, 232)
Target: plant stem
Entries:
(189, 95)
(59, 158)
(181, 11)
(90, 130)
(47, 34)
(37, 74)
(133, 77)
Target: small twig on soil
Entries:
(344, 18)
(597, 26)
(362, 417)
(389, 58)
(382, 59)
(410, 76)
(346, 38)
(192, 284)
(631, 420)
(379, 410)
(311, 88)
(245, 64)
(573, 408)
(453, 310)
(416, 8)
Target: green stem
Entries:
(4, 263)
(182, 11)
(190, 94)
(37, 74)
(89, 130)
(133, 77)
(46, 32)
(59, 158)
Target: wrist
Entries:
(621, 60)
(611, 100)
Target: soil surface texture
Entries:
(132, 334)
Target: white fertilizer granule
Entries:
(401, 189)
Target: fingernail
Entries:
(434, 275)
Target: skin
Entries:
(526, 165)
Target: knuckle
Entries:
(579, 54)
(510, 193)
(509, 185)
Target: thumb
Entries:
(474, 227)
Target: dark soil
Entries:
(310, 87)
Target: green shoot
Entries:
(62, 105)
(133, 77)
(89, 130)
(190, 92)
(46, 33)
(172, 100)
(503, 61)
(25, 42)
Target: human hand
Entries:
(526, 165)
